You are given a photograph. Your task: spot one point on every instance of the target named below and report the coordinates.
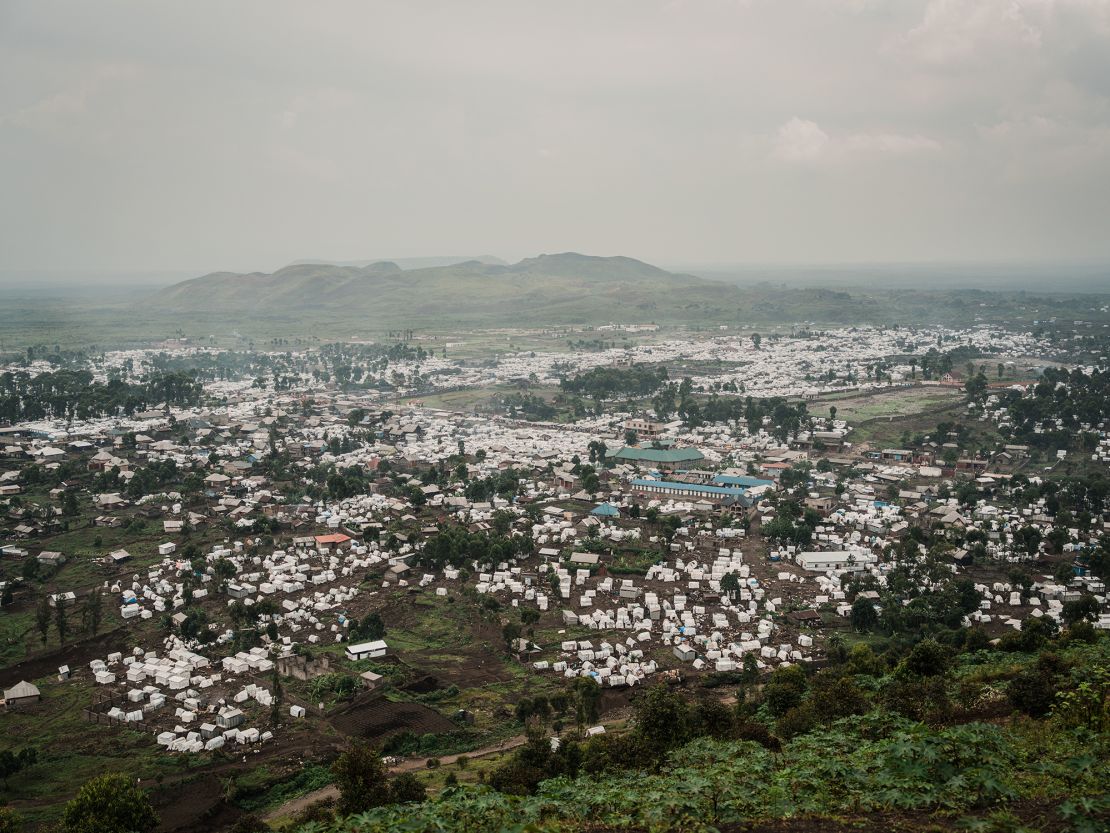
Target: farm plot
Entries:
(372, 717)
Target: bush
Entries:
(406, 788)
(711, 718)
(333, 686)
(360, 776)
(1032, 636)
(433, 744)
(758, 733)
(110, 803)
(917, 697)
(1033, 690)
(784, 690)
(864, 616)
(797, 721)
(320, 812)
(603, 753)
(833, 696)
(928, 658)
(10, 821)
(863, 660)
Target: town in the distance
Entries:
(276, 582)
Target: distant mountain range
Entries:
(567, 289)
(406, 262)
(556, 288)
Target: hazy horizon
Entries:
(1092, 276)
(209, 136)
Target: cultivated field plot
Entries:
(374, 718)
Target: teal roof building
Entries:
(657, 456)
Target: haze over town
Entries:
(557, 417)
(210, 136)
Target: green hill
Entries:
(549, 288)
(568, 289)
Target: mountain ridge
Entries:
(563, 285)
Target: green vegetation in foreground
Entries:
(861, 765)
(844, 748)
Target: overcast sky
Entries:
(244, 135)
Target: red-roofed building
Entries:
(330, 542)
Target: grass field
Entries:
(900, 402)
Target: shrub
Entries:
(110, 803)
(784, 690)
(406, 789)
(797, 721)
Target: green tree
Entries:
(110, 803)
(1083, 609)
(406, 788)
(1064, 573)
(10, 820)
(93, 612)
(360, 776)
(864, 618)
(730, 584)
(587, 695)
(69, 504)
(976, 386)
(60, 620)
(42, 618)
(529, 616)
(836, 649)
(662, 721)
(928, 658)
(785, 689)
(224, 569)
(278, 694)
(1033, 689)
(12, 763)
(510, 632)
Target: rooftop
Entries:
(658, 455)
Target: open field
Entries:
(897, 403)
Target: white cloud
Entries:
(503, 126)
(957, 32)
(58, 107)
(803, 141)
(800, 140)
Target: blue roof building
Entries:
(693, 491)
(606, 510)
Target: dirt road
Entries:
(295, 806)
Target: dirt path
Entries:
(295, 806)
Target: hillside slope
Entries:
(565, 287)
